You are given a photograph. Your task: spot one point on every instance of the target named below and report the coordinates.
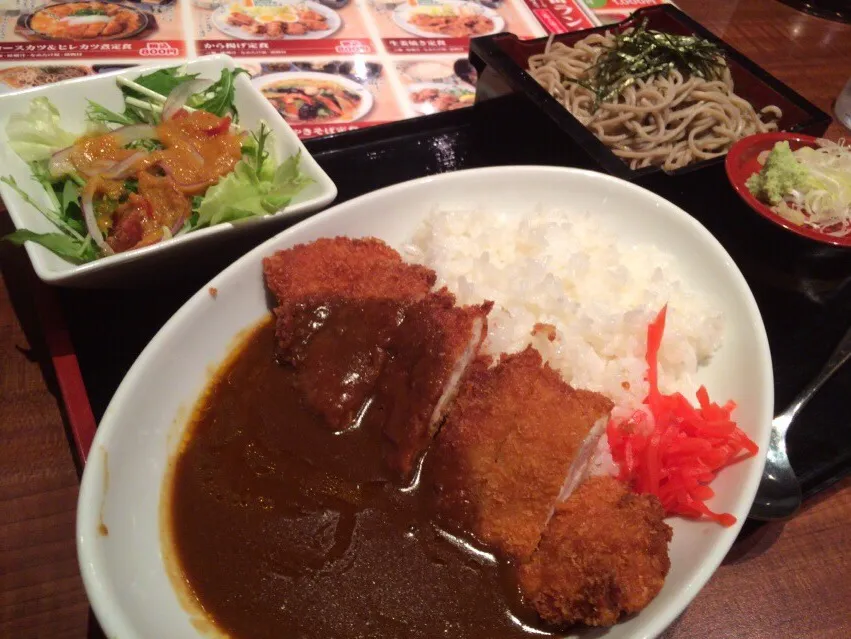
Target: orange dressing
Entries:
(94, 154)
(193, 137)
(199, 149)
(109, 191)
(167, 203)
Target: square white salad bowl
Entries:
(70, 98)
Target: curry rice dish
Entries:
(357, 469)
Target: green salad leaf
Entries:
(68, 225)
(162, 81)
(73, 250)
(139, 107)
(72, 242)
(146, 144)
(254, 188)
(219, 97)
(142, 108)
(99, 113)
(41, 174)
(69, 202)
(70, 196)
(36, 134)
(255, 153)
(64, 194)
(241, 195)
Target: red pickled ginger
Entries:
(674, 450)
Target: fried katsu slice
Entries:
(345, 268)
(516, 439)
(603, 554)
(339, 300)
(341, 268)
(428, 358)
(465, 449)
(338, 348)
(541, 461)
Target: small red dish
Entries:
(742, 162)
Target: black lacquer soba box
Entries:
(502, 59)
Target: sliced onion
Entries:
(60, 162)
(175, 228)
(186, 187)
(123, 168)
(181, 93)
(195, 155)
(92, 223)
(96, 168)
(133, 132)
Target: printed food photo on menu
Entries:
(434, 85)
(19, 77)
(612, 17)
(445, 26)
(46, 30)
(614, 11)
(323, 97)
(280, 27)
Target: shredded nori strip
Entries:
(642, 54)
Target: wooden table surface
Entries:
(780, 580)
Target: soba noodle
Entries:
(664, 120)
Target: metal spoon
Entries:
(779, 492)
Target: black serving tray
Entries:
(502, 59)
(803, 290)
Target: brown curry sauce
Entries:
(285, 528)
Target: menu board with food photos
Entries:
(326, 65)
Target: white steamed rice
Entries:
(598, 291)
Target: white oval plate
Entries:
(124, 573)
(401, 16)
(70, 98)
(220, 17)
(366, 99)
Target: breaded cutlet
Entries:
(339, 268)
(516, 435)
(465, 449)
(603, 554)
(345, 267)
(357, 321)
(338, 348)
(428, 357)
